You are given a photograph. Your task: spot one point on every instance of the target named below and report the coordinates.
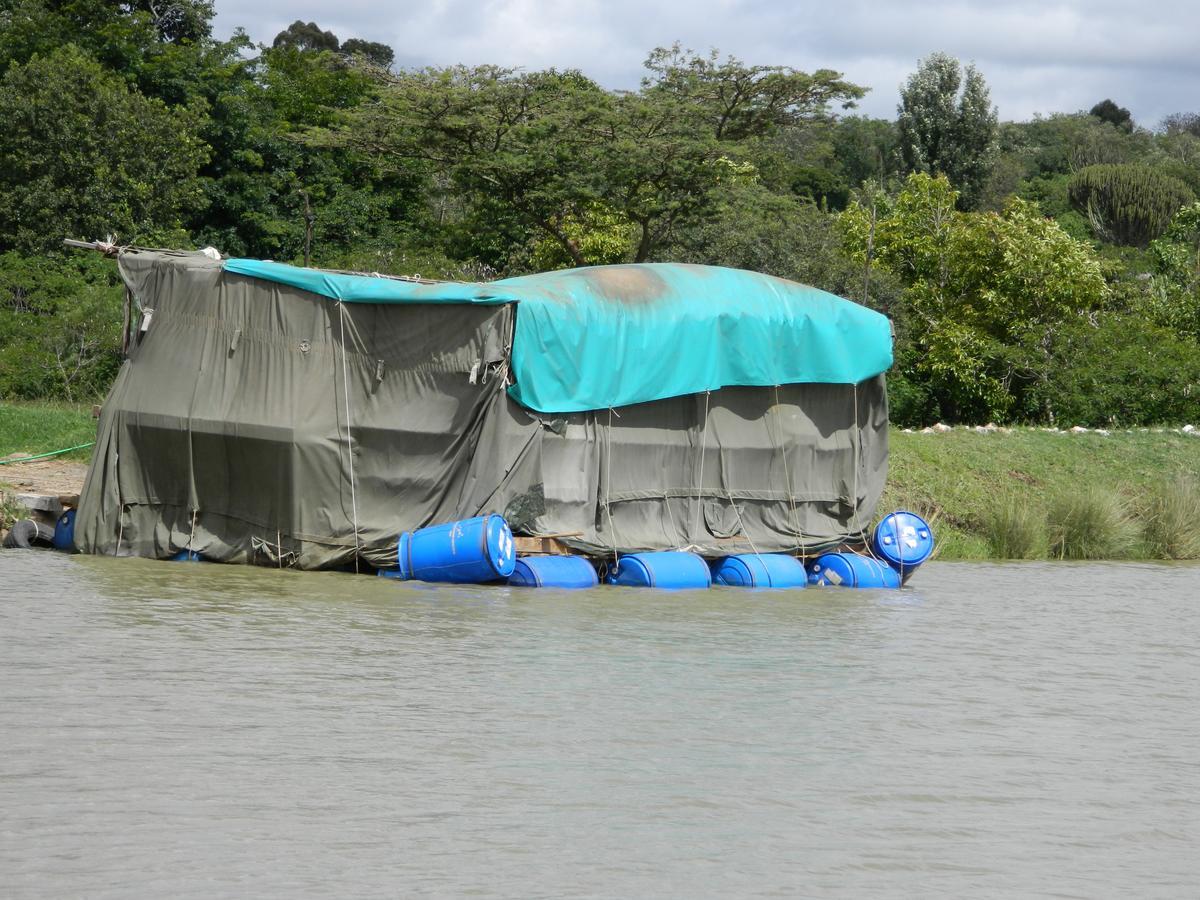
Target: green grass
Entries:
(1016, 529)
(1171, 520)
(41, 427)
(964, 478)
(1091, 522)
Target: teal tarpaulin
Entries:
(605, 336)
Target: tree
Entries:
(60, 326)
(306, 36)
(83, 154)
(375, 53)
(1118, 117)
(739, 101)
(1175, 298)
(1181, 123)
(866, 149)
(1127, 204)
(947, 124)
(985, 294)
(549, 149)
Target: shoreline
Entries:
(956, 477)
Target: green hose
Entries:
(4, 462)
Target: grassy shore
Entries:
(988, 491)
(41, 427)
(1021, 492)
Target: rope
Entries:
(612, 532)
(777, 440)
(349, 444)
(21, 459)
(745, 532)
(857, 461)
(703, 453)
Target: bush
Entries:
(1015, 529)
(1121, 370)
(60, 326)
(1091, 523)
(1127, 204)
(1172, 520)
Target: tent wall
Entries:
(738, 470)
(240, 429)
(227, 429)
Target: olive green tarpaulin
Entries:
(257, 421)
(601, 336)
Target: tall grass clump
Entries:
(1091, 523)
(1015, 529)
(1172, 520)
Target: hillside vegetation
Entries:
(1040, 272)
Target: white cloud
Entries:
(1057, 56)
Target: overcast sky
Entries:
(1037, 57)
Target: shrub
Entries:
(1172, 520)
(1015, 529)
(1127, 204)
(1121, 370)
(1091, 523)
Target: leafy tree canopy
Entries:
(1117, 116)
(373, 51)
(947, 124)
(306, 36)
(986, 293)
(83, 154)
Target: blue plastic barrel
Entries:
(187, 556)
(667, 569)
(852, 570)
(473, 551)
(903, 540)
(64, 531)
(553, 571)
(762, 570)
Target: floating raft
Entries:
(483, 550)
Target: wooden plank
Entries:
(545, 546)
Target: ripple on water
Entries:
(194, 730)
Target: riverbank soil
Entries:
(42, 476)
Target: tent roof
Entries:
(604, 336)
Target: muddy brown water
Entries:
(193, 730)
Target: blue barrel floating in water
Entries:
(187, 556)
(64, 531)
(762, 570)
(554, 571)
(903, 540)
(852, 570)
(473, 551)
(666, 569)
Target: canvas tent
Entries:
(290, 416)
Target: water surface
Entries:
(196, 730)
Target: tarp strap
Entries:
(612, 532)
(349, 444)
(700, 480)
(776, 434)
